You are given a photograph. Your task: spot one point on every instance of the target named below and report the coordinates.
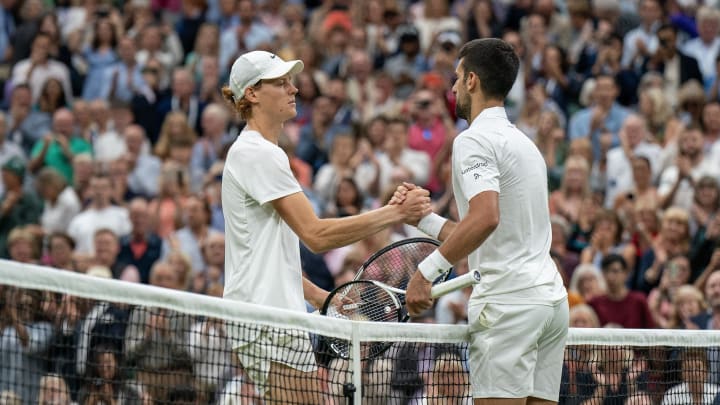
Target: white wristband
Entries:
(434, 266)
(431, 224)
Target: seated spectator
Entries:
(100, 214)
(620, 305)
(144, 168)
(634, 141)
(567, 259)
(60, 251)
(605, 239)
(166, 209)
(61, 201)
(39, 67)
(587, 282)
(673, 239)
(688, 303)
(157, 325)
(58, 148)
(25, 336)
(18, 207)
(695, 388)
(448, 382)
(23, 246)
(676, 273)
(574, 188)
(162, 367)
(54, 390)
(103, 379)
(190, 238)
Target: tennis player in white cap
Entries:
(265, 213)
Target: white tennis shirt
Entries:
(262, 253)
(515, 263)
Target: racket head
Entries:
(396, 263)
(362, 300)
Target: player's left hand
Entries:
(417, 297)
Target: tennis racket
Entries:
(371, 300)
(394, 264)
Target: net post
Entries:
(356, 364)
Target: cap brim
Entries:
(292, 67)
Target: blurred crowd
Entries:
(113, 134)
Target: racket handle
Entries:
(471, 278)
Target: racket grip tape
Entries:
(471, 278)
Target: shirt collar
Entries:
(489, 113)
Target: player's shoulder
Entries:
(251, 146)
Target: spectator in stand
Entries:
(705, 48)
(58, 148)
(60, 251)
(641, 42)
(695, 387)
(61, 204)
(672, 240)
(634, 141)
(144, 167)
(26, 334)
(660, 300)
(99, 214)
(166, 209)
(124, 80)
(100, 54)
(677, 182)
(574, 188)
(25, 126)
(587, 282)
(620, 305)
(209, 147)
(688, 303)
(142, 247)
(190, 238)
(675, 66)
(183, 99)
(18, 207)
(38, 68)
(605, 115)
(108, 144)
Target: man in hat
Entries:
(17, 206)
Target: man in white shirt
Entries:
(518, 314)
(633, 140)
(677, 182)
(706, 45)
(266, 216)
(100, 214)
(641, 42)
(38, 68)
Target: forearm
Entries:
(461, 239)
(313, 294)
(332, 233)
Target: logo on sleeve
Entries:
(475, 166)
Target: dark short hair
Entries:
(494, 62)
(611, 259)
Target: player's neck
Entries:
(480, 104)
(268, 127)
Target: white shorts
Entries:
(516, 351)
(258, 350)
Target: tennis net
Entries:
(70, 338)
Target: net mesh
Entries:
(69, 338)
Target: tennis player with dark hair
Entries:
(265, 213)
(518, 314)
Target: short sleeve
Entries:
(269, 176)
(476, 166)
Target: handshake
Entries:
(413, 203)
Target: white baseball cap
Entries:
(254, 66)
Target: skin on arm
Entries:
(459, 240)
(323, 234)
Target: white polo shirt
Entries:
(493, 155)
(262, 253)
